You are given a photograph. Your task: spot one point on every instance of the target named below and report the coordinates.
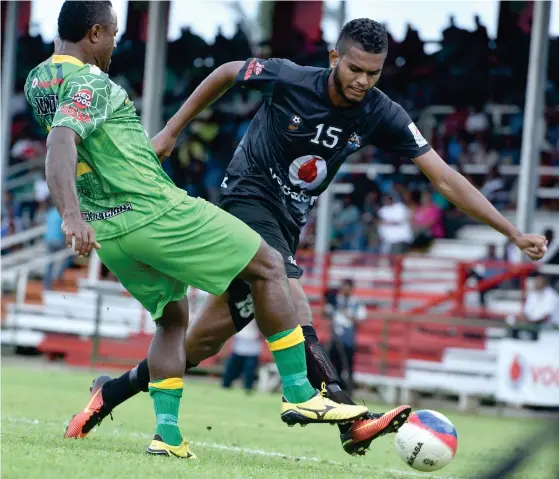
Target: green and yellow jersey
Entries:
(120, 182)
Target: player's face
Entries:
(356, 71)
(104, 41)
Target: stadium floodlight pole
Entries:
(8, 77)
(323, 219)
(342, 14)
(154, 71)
(532, 133)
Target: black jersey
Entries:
(298, 140)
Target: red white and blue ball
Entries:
(427, 442)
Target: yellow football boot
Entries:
(159, 448)
(320, 409)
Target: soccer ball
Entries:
(427, 442)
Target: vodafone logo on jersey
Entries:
(308, 172)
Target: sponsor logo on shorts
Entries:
(82, 99)
(246, 307)
(78, 115)
(88, 216)
(291, 260)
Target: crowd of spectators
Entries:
(469, 72)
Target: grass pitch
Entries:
(235, 436)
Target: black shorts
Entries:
(259, 216)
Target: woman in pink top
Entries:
(427, 222)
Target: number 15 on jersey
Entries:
(332, 134)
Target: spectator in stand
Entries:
(348, 227)
(481, 153)
(369, 219)
(455, 123)
(494, 188)
(540, 311)
(346, 312)
(477, 121)
(55, 240)
(487, 270)
(457, 150)
(9, 219)
(427, 221)
(554, 257)
(394, 229)
(41, 193)
(247, 346)
(549, 235)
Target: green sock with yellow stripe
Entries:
(288, 349)
(166, 395)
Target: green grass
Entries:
(227, 429)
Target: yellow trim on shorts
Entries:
(170, 383)
(292, 339)
(83, 168)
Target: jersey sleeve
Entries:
(398, 134)
(260, 74)
(84, 104)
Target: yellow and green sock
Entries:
(166, 395)
(288, 349)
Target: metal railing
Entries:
(23, 270)
(23, 236)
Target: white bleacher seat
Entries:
(21, 337)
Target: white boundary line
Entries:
(243, 450)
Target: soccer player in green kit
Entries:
(109, 187)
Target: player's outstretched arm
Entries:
(465, 196)
(61, 179)
(215, 85)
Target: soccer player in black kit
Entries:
(310, 121)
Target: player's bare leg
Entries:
(357, 436)
(163, 374)
(276, 318)
(209, 331)
(166, 362)
(205, 336)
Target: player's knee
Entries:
(174, 315)
(202, 346)
(267, 264)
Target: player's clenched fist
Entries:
(76, 227)
(535, 246)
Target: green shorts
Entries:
(195, 244)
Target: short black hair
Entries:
(348, 281)
(370, 35)
(77, 17)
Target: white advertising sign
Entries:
(528, 373)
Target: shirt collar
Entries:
(67, 59)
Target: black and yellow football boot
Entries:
(320, 409)
(159, 448)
